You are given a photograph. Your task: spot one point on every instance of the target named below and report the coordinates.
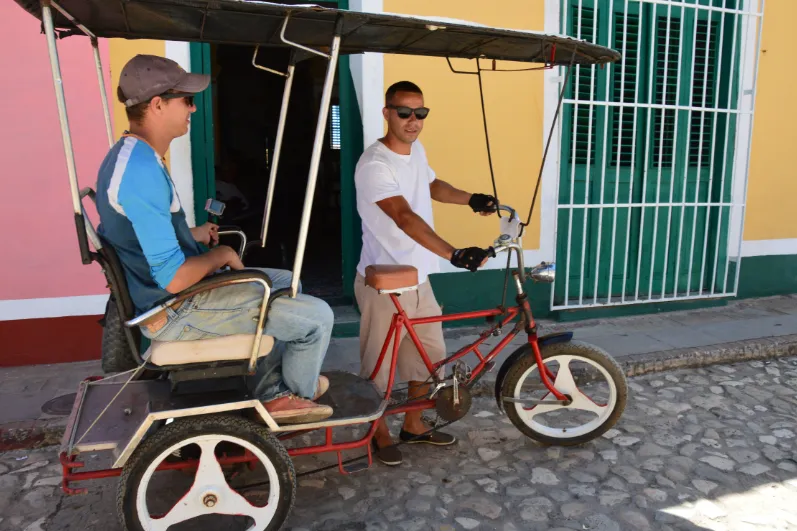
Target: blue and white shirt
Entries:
(141, 217)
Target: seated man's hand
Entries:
(470, 258)
(207, 234)
(483, 204)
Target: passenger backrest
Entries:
(114, 273)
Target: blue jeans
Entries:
(301, 328)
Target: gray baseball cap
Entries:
(147, 76)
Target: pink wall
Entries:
(40, 257)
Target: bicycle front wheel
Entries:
(593, 382)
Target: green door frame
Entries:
(203, 155)
(351, 129)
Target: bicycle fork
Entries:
(531, 329)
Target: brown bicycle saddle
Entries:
(391, 277)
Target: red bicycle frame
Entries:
(401, 320)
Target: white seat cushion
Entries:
(225, 348)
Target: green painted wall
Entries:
(764, 276)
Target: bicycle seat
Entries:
(391, 278)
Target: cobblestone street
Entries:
(696, 449)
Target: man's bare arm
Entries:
(414, 226)
(195, 268)
(445, 193)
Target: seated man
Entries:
(395, 188)
(142, 218)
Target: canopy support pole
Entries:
(97, 62)
(315, 159)
(55, 66)
(272, 180)
(103, 94)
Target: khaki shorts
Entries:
(376, 315)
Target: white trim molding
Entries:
(549, 188)
(769, 247)
(180, 150)
(15, 310)
(749, 35)
(368, 75)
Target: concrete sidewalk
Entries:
(742, 330)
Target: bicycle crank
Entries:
(450, 407)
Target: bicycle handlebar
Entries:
(512, 213)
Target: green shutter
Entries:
(705, 71)
(624, 87)
(665, 91)
(585, 136)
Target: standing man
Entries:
(395, 188)
(142, 218)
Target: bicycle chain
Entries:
(436, 427)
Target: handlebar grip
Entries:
(490, 252)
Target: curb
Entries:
(692, 358)
(48, 432)
(686, 358)
(31, 434)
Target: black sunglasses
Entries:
(405, 112)
(189, 98)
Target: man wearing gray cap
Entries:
(141, 217)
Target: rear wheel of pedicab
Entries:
(116, 356)
(594, 383)
(213, 494)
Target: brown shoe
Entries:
(323, 386)
(292, 409)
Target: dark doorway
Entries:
(247, 106)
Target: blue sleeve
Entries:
(146, 196)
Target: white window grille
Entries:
(655, 150)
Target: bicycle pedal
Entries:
(358, 466)
(355, 466)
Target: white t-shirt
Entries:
(383, 173)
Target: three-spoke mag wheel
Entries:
(240, 478)
(594, 384)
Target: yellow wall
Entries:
(454, 135)
(773, 173)
(121, 51)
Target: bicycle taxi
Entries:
(182, 412)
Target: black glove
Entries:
(470, 258)
(483, 203)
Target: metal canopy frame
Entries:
(254, 22)
(576, 51)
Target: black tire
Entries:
(575, 349)
(116, 355)
(183, 429)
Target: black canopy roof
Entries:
(251, 22)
